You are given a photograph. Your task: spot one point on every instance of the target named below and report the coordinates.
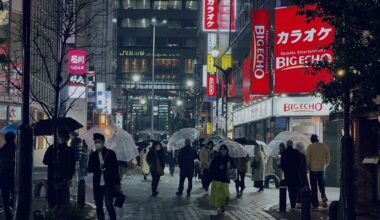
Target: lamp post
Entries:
(154, 24)
(226, 75)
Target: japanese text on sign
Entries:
(306, 36)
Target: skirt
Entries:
(219, 194)
(258, 184)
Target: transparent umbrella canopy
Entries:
(235, 149)
(117, 139)
(177, 140)
(283, 137)
(251, 148)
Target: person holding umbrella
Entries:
(143, 162)
(258, 168)
(106, 178)
(156, 161)
(186, 158)
(219, 168)
(205, 157)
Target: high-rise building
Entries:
(175, 25)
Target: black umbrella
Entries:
(245, 141)
(47, 126)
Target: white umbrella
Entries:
(117, 139)
(251, 148)
(177, 140)
(283, 137)
(235, 149)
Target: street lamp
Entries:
(154, 24)
(190, 83)
(179, 102)
(143, 101)
(226, 75)
(136, 78)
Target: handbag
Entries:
(120, 199)
(232, 173)
(254, 164)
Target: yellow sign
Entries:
(210, 64)
(226, 61)
(209, 128)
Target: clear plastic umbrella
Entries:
(283, 137)
(251, 148)
(117, 139)
(235, 149)
(177, 140)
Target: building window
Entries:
(143, 4)
(191, 5)
(143, 23)
(174, 42)
(176, 5)
(189, 66)
(168, 63)
(190, 24)
(190, 42)
(129, 4)
(128, 22)
(174, 24)
(128, 41)
(134, 65)
(160, 5)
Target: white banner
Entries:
(300, 106)
(100, 95)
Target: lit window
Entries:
(160, 5)
(175, 5)
(191, 5)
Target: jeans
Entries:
(104, 194)
(182, 182)
(155, 181)
(317, 178)
(206, 180)
(239, 182)
(7, 202)
(293, 193)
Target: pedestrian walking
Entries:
(241, 164)
(156, 161)
(317, 159)
(7, 161)
(186, 164)
(290, 164)
(106, 178)
(220, 166)
(205, 156)
(144, 163)
(258, 168)
(61, 168)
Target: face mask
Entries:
(98, 146)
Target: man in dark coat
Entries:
(7, 161)
(61, 167)
(156, 161)
(106, 178)
(186, 158)
(290, 164)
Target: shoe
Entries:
(154, 194)
(179, 193)
(324, 203)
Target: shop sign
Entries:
(14, 113)
(209, 127)
(77, 61)
(297, 45)
(119, 120)
(100, 95)
(210, 64)
(214, 10)
(211, 41)
(300, 106)
(211, 86)
(143, 53)
(227, 14)
(255, 112)
(204, 76)
(260, 52)
(3, 112)
(108, 102)
(210, 15)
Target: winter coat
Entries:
(111, 172)
(7, 164)
(290, 164)
(318, 156)
(219, 166)
(241, 164)
(258, 172)
(304, 181)
(61, 171)
(152, 157)
(205, 157)
(186, 158)
(143, 162)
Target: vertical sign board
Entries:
(210, 15)
(77, 71)
(246, 80)
(227, 14)
(119, 120)
(260, 52)
(100, 95)
(211, 86)
(222, 10)
(297, 45)
(108, 102)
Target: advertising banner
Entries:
(260, 52)
(119, 120)
(14, 113)
(100, 95)
(91, 80)
(300, 106)
(77, 62)
(298, 44)
(3, 112)
(108, 102)
(212, 11)
(246, 80)
(211, 86)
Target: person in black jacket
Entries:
(290, 164)
(186, 158)
(106, 178)
(156, 161)
(61, 167)
(220, 181)
(7, 161)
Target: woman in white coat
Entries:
(258, 168)
(143, 162)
